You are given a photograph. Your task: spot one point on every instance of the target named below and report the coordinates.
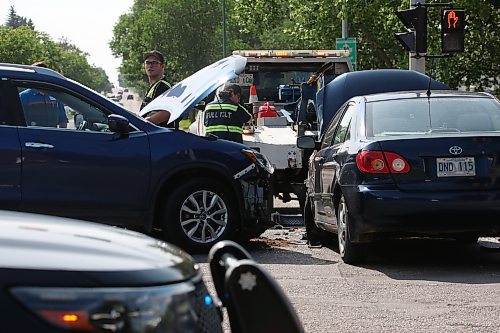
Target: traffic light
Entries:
(452, 30)
(415, 20)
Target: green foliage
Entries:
(314, 24)
(190, 35)
(16, 21)
(184, 31)
(24, 45)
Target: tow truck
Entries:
(280, 87)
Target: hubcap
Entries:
(342, 228)
(203, 216)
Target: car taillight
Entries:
(171, 308)
(376, 161)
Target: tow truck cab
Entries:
(287, 80)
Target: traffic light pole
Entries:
(416, 64)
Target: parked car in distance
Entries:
(60, 275)
(112, 166)
(407, 164)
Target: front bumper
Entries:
(255, 206)
(390, 213)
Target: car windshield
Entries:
(417, 116)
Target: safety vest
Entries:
(223, 128)
(225, 119)
(151, 93)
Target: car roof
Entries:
(6, 67)
(331, 97)
(422, 94)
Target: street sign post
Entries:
(347, 44)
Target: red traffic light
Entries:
(452, 30)
(453, 20)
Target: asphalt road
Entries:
(132, 105)
(412, 286)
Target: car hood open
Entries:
(183, 96)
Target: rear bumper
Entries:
(391, 213)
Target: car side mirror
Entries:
(118, 124)
(79, 121)
(306, 142)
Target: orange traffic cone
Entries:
(253, 94)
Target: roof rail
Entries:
(28, 68)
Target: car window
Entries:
(342, 128)
(330, 131)
(435, 115)
(50, 107)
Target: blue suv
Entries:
(68, 151)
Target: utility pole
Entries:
(345, 27)
(414, 63)
(224, 28)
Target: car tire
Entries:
(198, 214)
(313, 234)
(350, 253)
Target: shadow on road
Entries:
(275, 251)
(434, 260)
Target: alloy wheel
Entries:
(342, 226)
(203, 216)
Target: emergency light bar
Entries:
(292, 53)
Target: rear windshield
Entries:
(435, 115)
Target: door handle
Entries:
(38, 145)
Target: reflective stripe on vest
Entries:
(229, 107)
(151, 90)
(224, 128)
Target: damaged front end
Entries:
(255, 185)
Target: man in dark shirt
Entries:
(154, 65)
(41, 109)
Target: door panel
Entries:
(10, 164)
(333, 160)
(72, 165)
(10, 149)
(84, 174)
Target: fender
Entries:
(200, 167)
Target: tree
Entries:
(24, 45)
(184, 31)
(15, 21)
(315, 24)
(176, 27)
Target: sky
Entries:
(87, 24)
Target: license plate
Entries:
(455, 166)
(244, 80)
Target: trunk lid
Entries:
(448, 163)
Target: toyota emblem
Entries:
(455, 150)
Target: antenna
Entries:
(429, 87)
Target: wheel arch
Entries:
(177, 177)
